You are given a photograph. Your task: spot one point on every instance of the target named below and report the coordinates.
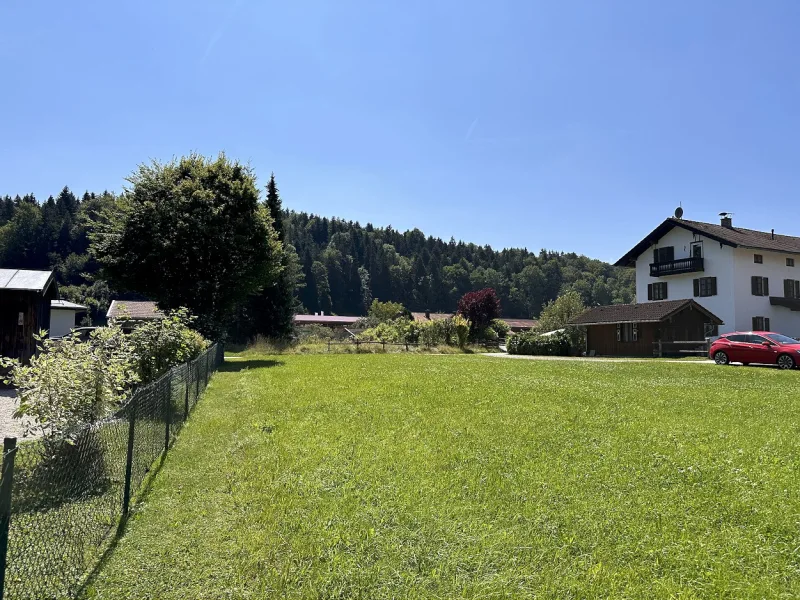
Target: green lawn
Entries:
(407, 476)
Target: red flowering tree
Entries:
(480, 308)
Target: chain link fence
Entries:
(63, 498)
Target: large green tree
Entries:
(191, 232)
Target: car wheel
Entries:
(785, 362)
(721, 358)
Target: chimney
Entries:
(773, 234)
(322, 313)
(726, 220)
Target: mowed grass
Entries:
(403, 476)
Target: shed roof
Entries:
(66, 305)
(324, 320)
(645, 312)
(520, 323)
(25, 280)
(135, 310)
(729, 236)
(422, 317)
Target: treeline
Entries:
(342, 266)
(54, 235)
(346, 265)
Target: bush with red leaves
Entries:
(480, 308)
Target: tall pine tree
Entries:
(271, 312)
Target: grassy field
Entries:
(409, 476)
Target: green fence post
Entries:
(6, 483)
(187, 379)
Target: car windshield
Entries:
(781, 339)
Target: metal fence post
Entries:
(126, 496)
(186, 400)
(168, 421)
(9, 453)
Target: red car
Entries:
(761, 347)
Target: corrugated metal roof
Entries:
(324, 319)
(67, 305)
(21, 279)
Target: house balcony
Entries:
(676, 267)
(790, 303)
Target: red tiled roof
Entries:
(644, 312)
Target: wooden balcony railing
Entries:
(676, 267)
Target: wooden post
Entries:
(6, 485)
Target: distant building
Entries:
(24, 310)
(63, 315)
(325, 320)
(128, 313)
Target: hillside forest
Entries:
(342, 266)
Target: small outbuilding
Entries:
(24, 310)
(333, 321)
(637, 329)
(129, 313)
(63, 315)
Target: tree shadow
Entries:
(236, 365)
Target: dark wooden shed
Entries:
(634, 329)
(24, 310)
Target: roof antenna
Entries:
(679, 211)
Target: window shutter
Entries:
(766, 324)
(754, 285)
(619, 332)
(635, 332)
(696, 283)
(797, 289)
(655, 255)
(649, 291)
(766, 286)
(755, 324)
(788, 288)
(713, 286)
(670, 253)
(664, 295)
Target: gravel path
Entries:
(9, 426)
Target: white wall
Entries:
(718, 262)
(748, 306)
(61, 322)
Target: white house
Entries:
(749, 279)
(63, 315)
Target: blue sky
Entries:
(574, 126)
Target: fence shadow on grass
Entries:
(234, 366)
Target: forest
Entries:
(344, 265)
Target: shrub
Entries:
(398, 331)
(461, 327)
(480, 308)
(383, 312)
(500, 327)
(534, 344)
(431, 333)
(161, 344)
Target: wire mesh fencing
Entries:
(61, 499)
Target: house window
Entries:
(705, 286)
(657, 291)
(663, 255)
(697, 249)
(760, 323)
(759, 285)
(791, 288)
(710, 330)
(758, 259)
(627, 332)
(789, 262)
